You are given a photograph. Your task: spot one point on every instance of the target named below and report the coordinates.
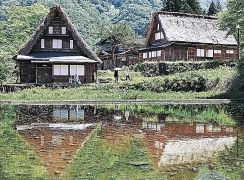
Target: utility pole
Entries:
(238, 41)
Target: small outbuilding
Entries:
(181, 36)
(56, 52)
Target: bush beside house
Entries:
(150, 68)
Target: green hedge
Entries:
(151, 69)
(192, 82)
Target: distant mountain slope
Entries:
(93, 16)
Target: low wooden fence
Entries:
(7, 88)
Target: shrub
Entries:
(150, 69)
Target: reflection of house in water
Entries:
(75, 113)
(70, 114)
(177, 143)
(55, 146)
(54, 133)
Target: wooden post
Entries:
(238, 41)
(36, 73)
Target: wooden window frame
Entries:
(71, 44)
(50, 30)
(63, 30)
(78, 70)
(208, 53)
(56, 44)
(200, 52)
(42, 43)
(144, 55)
(63, 70)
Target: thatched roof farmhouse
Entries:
(56, 52)
(181, 36)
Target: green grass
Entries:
(127, 89)
(17, 161)
(100, 92)
(99, 159)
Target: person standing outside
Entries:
(127, 76)
(116, 76)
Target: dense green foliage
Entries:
(150, 68)
(201, 80)
(231, 18)
(18, 24)
(213, 9)
(186, 6)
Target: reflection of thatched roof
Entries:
(182, 27)
(194, 150)
(26, 49)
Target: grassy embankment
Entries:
(17, 161)
(140, 87)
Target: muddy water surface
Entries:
(121, 142)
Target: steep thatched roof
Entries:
(182, 27)
(26, 49)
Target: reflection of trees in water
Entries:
(231, 162)
(236, 111)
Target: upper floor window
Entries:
(158, 35)
(200, 52)
(230, 51)
(50, 30)
(71, 44)
(210, 53)
(42, 43)
(63, 30)
(57, 44)
(158, 27)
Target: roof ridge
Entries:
(186, 15)
(26, 48)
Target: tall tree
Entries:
(19, 24)
(195, 6)
(231, 17)
(219, 6)
(172, 5)
(118, 34)
(186, 8)
(212, 10)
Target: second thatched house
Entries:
(180, 36)
(56, 52)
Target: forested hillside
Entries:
(92, 16)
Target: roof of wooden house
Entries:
(191, 28)
(26, 49)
